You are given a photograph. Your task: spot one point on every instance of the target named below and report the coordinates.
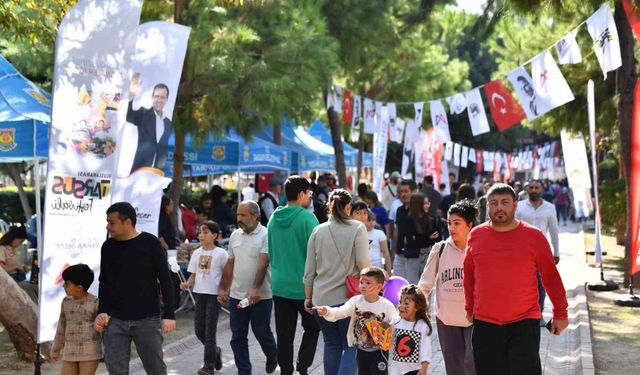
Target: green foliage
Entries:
(613, 203)
(10, 207)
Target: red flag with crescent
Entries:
(347, 106)
(506, 111)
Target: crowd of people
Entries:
(309, 250)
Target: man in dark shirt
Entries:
(132, 263)
(406, 188)
(434, 196)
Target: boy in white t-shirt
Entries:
(206, 266)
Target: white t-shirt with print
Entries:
(411, 346)
(207, 265)
(375, 237)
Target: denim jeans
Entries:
(259, 315)
(286, 314)
(339, 358)
(205, 321)
(146, 334)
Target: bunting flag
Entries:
(606, 44)
(439, 121)
(522, 83)
(464, 156)
(568, 49)
(408, 154)
(421, 153)
(487, 158)
(479, 161)
(448, 151)
(380, 151)
(369, 116)
(356, 118)
(393, 117)
(472, 155)
(418, 107)
(456, 154)
(337, 99)
(378, 118)
(457, 104)
(347, 107)
(477, 115)
(506, 111)
(398, 131)
(551, 88)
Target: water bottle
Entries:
(243, 303)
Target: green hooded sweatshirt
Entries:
(288, 231)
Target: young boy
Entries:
(366, 311)
(81, 343)
(378, 248)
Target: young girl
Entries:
(378, 248)
(411, 352)
(206, 267)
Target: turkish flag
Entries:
(505, 109)
(347, 106)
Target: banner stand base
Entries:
(627, 300)
(38, 361)
(603, 286)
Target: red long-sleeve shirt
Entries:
(500, 284)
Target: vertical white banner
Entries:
(408, 149)
(419, 146)
(456, 154)
(380, 152)
(464, 156)
(356, 120)
(157, 66)
(94, 48)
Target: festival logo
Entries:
(37, 95)
(7, 139)
(218, 153)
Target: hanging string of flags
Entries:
(537, 93)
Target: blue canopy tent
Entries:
(230, 154)
(25, 115)
(320, 132)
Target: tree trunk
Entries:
(14, 170)
(625, 82)
(19, 317)
(360, 157)
(336, 137)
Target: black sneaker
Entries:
(218, 363)
(271, 365)
(204, 370)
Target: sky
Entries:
(471, 6)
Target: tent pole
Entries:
(238, 186)
(36, 176)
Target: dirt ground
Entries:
(615, 330)
(10, 364)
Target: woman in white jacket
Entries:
(443, 271)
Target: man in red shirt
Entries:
(501, 289)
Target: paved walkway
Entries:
(568, 354)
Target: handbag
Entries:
(352, 283)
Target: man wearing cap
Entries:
(390, 191)
(270, 201)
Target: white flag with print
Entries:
(522, 83)
(472, 155)
(464, 157)
(439, 121)
(369, 116)
(457, 104)
(477, 115)
(568, 49)
(379, 119)
(550, 86)
(417, 118)
(487, 159)
(408, 149)
(337, 99)
(357, 113)
(606, 44)
(398, 131)
(448, 151)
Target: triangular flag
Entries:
(398, 131)
(568, 49)
(506, 111)
(551, 88)
(522, 83)
(477, 115)
(417, 119)
(464, 157)
(472, 155)
(606, 44)
(347, 106)
(337, 99)
(439, 121)
(448, 151)
(457, 104)
(369, 116)
(456, 154)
